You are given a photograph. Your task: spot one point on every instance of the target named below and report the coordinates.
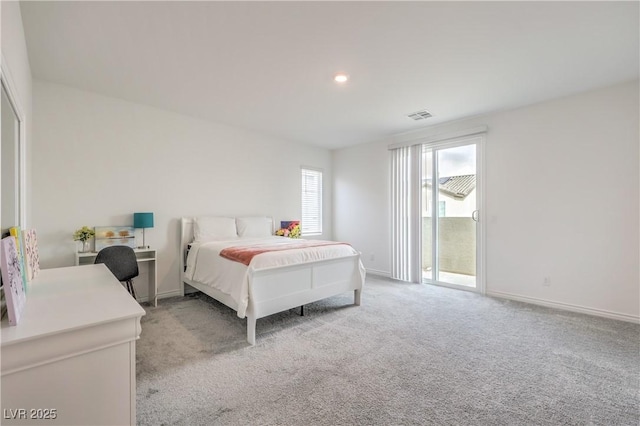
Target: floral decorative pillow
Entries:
(289, 228)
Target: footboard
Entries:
(278, 289)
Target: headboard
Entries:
(186, 232)
(186, 237)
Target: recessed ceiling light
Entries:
(340, 78)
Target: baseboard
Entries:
(565, 306)
(188, 289)
(377, 273)
(169, 294)
(162, 295)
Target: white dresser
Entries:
(72, 358)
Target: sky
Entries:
(456, 161)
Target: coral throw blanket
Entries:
(244, 254)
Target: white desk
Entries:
(73, 352)
(143, 256)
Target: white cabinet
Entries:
(72, 357)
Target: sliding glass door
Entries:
(450, 213)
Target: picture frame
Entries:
(18, 235)
(14, 292)
(107, 236)
(32, 258)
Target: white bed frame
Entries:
(278, 289)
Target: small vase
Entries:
(86, 246)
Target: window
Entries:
(311, 220)
(442, 208)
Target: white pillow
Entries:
(212, 228)
(254, 227)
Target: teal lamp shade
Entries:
(143, 220)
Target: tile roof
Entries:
(456, 186)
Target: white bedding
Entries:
(206, 266)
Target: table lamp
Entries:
(143, 220)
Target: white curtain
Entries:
(406, 232)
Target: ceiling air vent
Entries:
(420, 115)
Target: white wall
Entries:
(455, 207)
(14, 52)
(555, 175)
(361, 202)
(97, 160)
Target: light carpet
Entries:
(411, 354)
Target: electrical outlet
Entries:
(546, 281)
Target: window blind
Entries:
(311, 220)
(405, 213)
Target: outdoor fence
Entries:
(457, 244)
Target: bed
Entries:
(280, 278)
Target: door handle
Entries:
(475, 215)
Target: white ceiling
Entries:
(268, 66)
